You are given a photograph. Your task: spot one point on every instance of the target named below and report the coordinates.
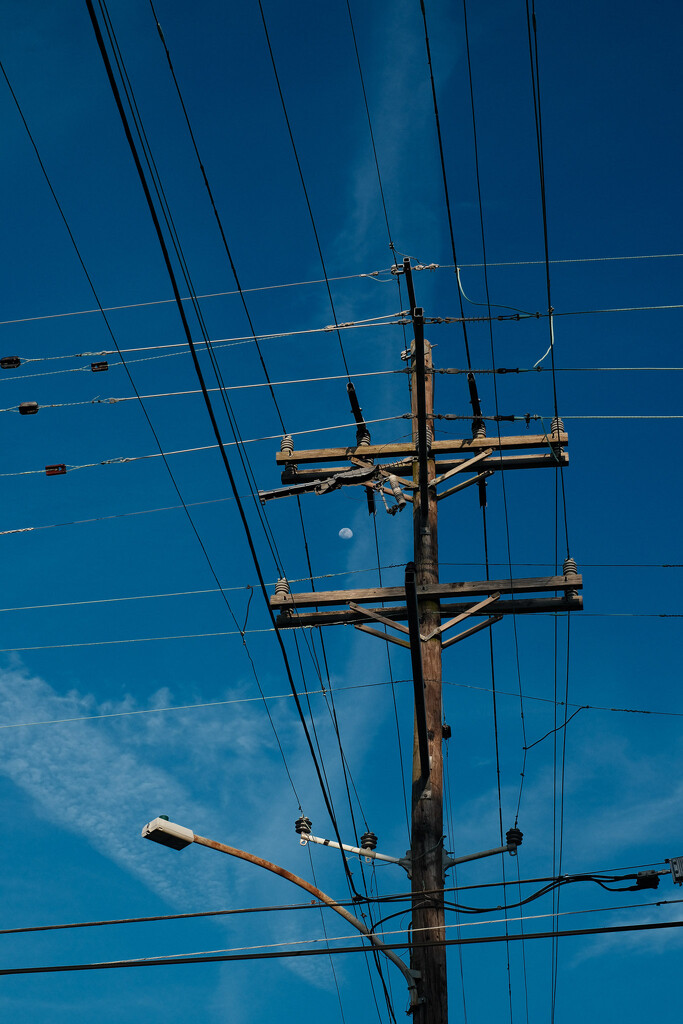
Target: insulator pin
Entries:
(281, 587)
(363, 439)
(303, 826)
(368, 841)
(287, 444)
(28, 408)
(10, 362)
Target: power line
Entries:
(357, 686)
(200, 376)
(220, 446)
(302, 180)
(371, 275)
(284, 954)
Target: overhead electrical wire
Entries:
(482, 499)
(371, 275)
(107, 324)
(302, 180)
(263, 364)
(340, 689)
(346, 937)
(284, 954)
(276, 630)
(221, 446)
(146, 415)
(207, 399)
(444, 177)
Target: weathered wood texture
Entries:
(408, 450)
(428, 919)
(465, 588)
(292, 475)
(516, 606)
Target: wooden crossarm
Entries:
(403, 449)
(478, 588)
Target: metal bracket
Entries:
(448, 861)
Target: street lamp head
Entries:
(166, 832)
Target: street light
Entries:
(177, 837)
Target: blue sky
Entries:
(91, 649)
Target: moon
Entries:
(345, 533)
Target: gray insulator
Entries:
(287, 444)
(478, 428)
(364, 440)
(430, 438)
(569, 568)
(368, 841)
(556, 427)
(281, 587)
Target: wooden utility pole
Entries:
(425, 603)
(426, 844)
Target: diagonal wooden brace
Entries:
(466, 483)
(463, 615)
(372, 614)
(383, 636)
(463, 467)
(471, 630)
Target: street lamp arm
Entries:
(232, 851)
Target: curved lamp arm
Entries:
(177, 836)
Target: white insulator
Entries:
(396, 491)
(287, 444)
(281, 587)
(556, 427)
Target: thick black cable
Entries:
(265, 371)
(177, 246)
(210, 411)
(536, 93)
(285, 954)
(217, 216)
(303, 184)
(444, 177)
(149, 421)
